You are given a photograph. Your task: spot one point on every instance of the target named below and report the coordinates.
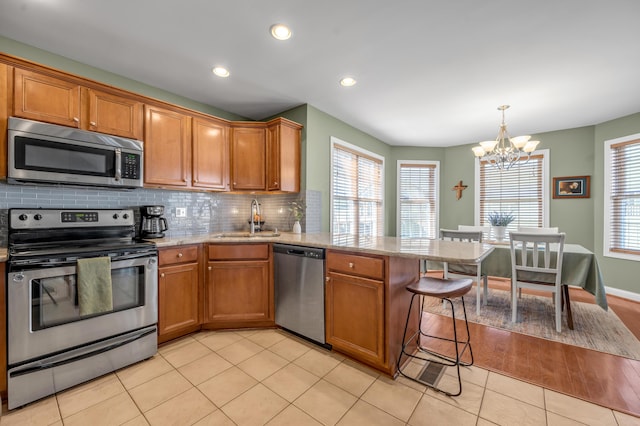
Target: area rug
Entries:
(594, 328)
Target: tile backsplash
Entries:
(206, 212)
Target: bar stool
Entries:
(445, 289)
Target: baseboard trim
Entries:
(623, 293)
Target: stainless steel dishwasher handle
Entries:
(296, 252)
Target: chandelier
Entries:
(505, 151)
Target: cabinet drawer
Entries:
(238, 251)
(352, 264)
(180, 254)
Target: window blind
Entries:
(418, 201)
(357, 193)
(517, 190)
(624, 226)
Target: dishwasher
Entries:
(299, 290)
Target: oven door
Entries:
(44, 316)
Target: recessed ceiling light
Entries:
(280, 32)
(221, 72)
(348, 82)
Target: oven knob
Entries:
(38, 216)
(125, 216)
(23, 217)
(115, 216)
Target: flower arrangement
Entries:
(500, 218)
(297, 209)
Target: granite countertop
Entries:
(422, 248)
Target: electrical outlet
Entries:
(181, 212)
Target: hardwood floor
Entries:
(597, 377)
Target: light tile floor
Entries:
(255, 377)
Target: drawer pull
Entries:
(179, 254)
(351, 265)
(209, 268)
(162, 274)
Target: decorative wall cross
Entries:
(459, 188)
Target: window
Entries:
(521, 190)
(418, 199)
(356, 190)
(622, 197)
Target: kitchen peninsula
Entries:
(365, 296)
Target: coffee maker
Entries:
(153, 224)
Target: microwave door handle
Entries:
(118, 164)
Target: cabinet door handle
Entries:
(93, 123)
(162, 275)
(327, 279)
(351, 265)
(209, 268)
(76, 119)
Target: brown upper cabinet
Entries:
(183, 149)
(167, 148)
(45, 98)
(248, 157)
(283, 161)
(210, 154)
(5, 75)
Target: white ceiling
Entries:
(430, 73)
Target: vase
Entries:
(499, 232)
(296, 227)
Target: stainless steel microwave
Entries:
(48, 153)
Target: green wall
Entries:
(320, 127)
(43, 57)
(570, 153)
(618, 273)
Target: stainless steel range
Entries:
(81, 298)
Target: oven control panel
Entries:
(69, 218)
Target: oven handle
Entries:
(98, 351)
(73, 261)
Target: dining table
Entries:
(579, 268)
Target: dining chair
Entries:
(464, 271)
(535, 265)
(553, 230)
(472, 228)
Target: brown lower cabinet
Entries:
(366, 305)
(239, 286)
(179, 289)
(366, 301)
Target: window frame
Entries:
(608, 205)
(546, 158)
(365, 153)
(400, 163)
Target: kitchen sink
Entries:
(248, 235)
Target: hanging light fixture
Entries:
(505, 151)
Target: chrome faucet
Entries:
(255, 213)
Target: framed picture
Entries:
(572, 187)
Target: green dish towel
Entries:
(94, 285)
